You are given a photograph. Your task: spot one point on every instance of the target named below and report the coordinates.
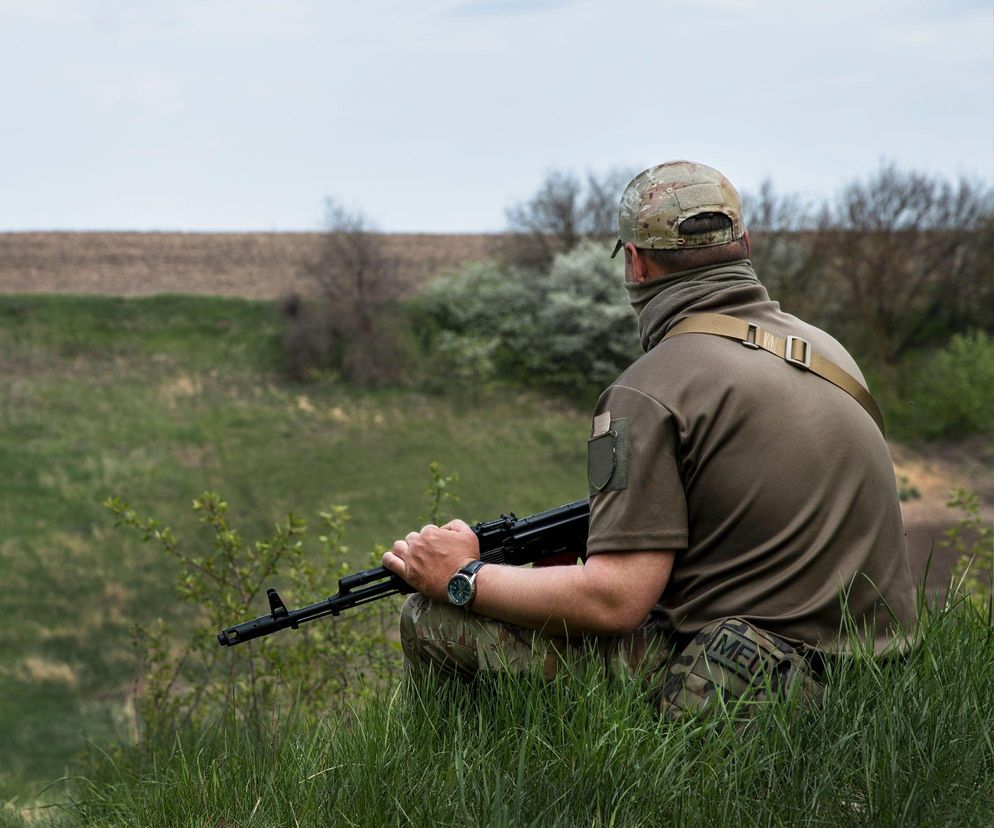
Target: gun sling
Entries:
(792, 349)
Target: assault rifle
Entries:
(507, 540)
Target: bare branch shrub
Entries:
(308, 338)
(780, 230)
(564, 211)
(911, 255)
(356, 282)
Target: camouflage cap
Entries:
(657, 201)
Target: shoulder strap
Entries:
(792, 349)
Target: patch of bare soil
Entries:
(934, 469)
(251, 265)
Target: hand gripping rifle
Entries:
(507, 540)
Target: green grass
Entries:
(156, 400)
(899, 745)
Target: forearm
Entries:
(556, 600)
(611, 594)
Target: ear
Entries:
(745, 236)
(637, 264)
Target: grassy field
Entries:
(899, 745)
(156, 400)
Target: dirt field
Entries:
(253, 265)
(933, 470)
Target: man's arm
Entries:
(611, 594)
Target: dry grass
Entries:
(250, 265)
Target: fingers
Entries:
(427, 559)
(395, 564)
(402, 548)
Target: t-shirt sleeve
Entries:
(637, 500)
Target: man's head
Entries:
(679, 216)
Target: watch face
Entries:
(460, 590)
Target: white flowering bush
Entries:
(569, 330)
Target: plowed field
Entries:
(250, 265)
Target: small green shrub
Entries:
(569, 330)
(320, 667)
(973, 542)
(906, 490)
(461, 362)
(307, 671)
(951, 393)
(439, 492)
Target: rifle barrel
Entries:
(507, 540)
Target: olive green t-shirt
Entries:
(774, 488)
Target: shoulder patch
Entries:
(607, 458)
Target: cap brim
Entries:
(617, 247)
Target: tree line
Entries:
(894, 265)
(894, 262)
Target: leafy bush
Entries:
(569, 330)
(308, 671)
(320, 667)
(951, 392)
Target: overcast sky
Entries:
(435, 115)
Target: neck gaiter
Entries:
(658, 303)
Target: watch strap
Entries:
(467, 573)
(472, 567)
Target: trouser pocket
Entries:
(733, 663)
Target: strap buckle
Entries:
(805, 361)
(752, 332)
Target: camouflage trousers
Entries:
(729, 663)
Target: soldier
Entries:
(744, 519)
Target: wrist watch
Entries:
(462, 585)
